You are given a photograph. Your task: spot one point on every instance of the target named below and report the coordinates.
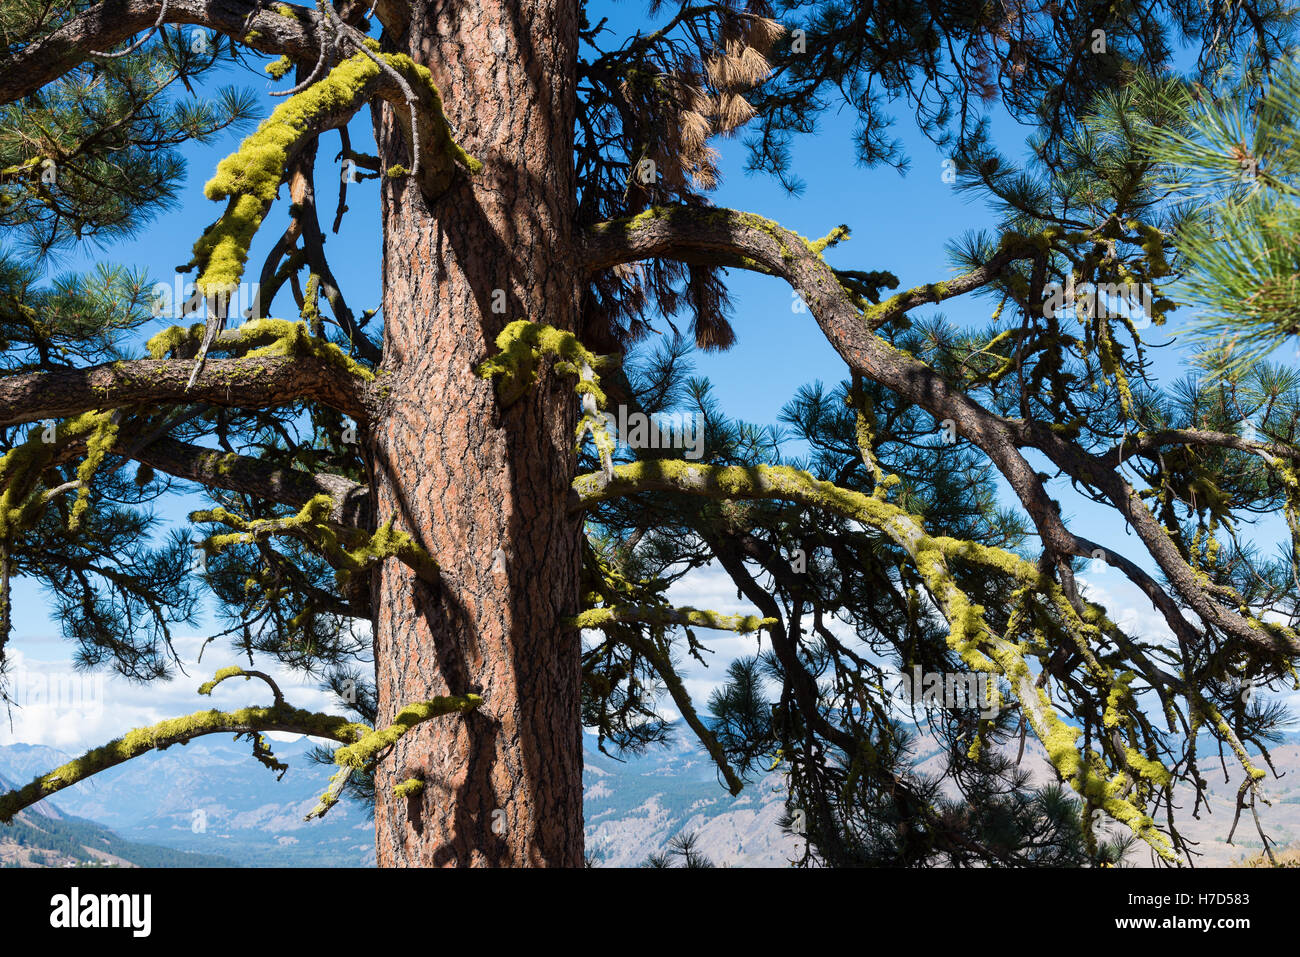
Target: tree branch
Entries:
(179, 731)
(252, 476)
(680, 232)
(362, 744)
(970, 636)
(250, 382)
(107, 24)
(663, 615)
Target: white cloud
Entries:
(73, 710)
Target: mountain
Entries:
(42, 836)
(634, 807)
(211, 798)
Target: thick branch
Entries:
(180, 731)
(107, 24)
(252, 382)
(682, 232)
(242, 473)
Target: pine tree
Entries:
(1235, 161)
(543, 188)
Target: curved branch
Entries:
(162, 13)
(180, 731)
(361, 743)
(234, 671)
(751, 241)
(107, 24)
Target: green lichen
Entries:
(521, 347)
(99, 441)
(176, 339)
(259, 337)
(250, 178)
(234, 671)
(663, 615)
(22, 493)
(179, 731)
(360, 755)
(970, 637)
(350, 551)
(408, 788)
(278, 68)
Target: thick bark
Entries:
(484, 490)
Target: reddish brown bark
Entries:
(484, 490)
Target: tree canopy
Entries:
(1156, 177)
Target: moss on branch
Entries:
(22, 494)
(360, 744)
(350, 551)
(970, 636)
(258, 338)
(249, 179)
(664, 615)
(179, 731)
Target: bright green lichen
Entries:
(408, 788)
(359, 755)
(179, 731)
(834, 237)
(99, 442)
(351, 551)
(659, 614)
(259, 337)
(521, 346)
(250, 178)
(22, 495)
(234, 671)
(278, 68)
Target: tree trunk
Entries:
(484, 490)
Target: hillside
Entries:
(45, 837)
(211, 798)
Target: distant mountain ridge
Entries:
(43, 836)
(211, 798)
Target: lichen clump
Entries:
(22, 495)
(350, 551)
(521, 346)
(250, 178)
(259, 337)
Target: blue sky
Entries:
(899, 223)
